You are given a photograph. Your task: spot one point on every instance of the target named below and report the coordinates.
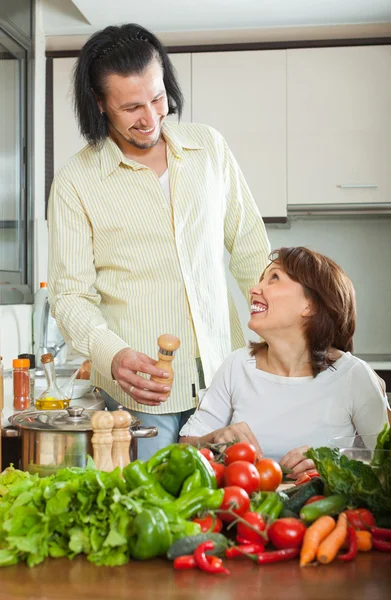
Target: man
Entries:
(138, 221)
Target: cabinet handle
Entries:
(357, 185)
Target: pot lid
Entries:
(74, 418)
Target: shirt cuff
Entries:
(105, 347)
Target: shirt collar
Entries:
(111, 155)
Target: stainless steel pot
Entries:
(54, 439)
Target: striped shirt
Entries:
(126, 265)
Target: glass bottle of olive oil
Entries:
(52, 398)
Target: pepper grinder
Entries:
(102, 423)
(121, 438)
(167, 345)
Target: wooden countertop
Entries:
(366, 578)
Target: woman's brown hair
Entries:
(331, 292)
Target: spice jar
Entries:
(21, 383)
(31, 358)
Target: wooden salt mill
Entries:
(167, 345)
(121, 438)
(102, 423)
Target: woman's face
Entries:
(278, 303)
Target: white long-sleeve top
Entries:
(288, 412)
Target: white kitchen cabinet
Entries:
(339, 125)
(243, 95)
(67, 139)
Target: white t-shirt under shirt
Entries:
(288, 412)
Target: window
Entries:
(15, 223)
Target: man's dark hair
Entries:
(124, 50)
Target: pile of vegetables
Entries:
(197, 507)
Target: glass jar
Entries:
(31, 358)
(21, 379)
(52, 398)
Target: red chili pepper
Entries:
(352, 545)
(265, 558)
(380, 533)
(203, 562)
(242, 540)
(382, 545)
(184, 562)
(243, 550)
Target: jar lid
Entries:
(31, 358)
(74, 418)
(21, 363)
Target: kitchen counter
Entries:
(366, 578)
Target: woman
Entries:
(301, 385)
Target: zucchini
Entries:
(188, 544)
(305, 491)
(332, 505)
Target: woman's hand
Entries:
(240, 432)
(295, 460)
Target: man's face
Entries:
(135, 107)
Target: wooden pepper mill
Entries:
(102, 423)
(167, 345)
(121, 438)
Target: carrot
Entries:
(328, 549)
(364, 541)
(314, 535)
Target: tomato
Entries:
(240, 451)
(303, 478)
(360, 518)
(207, 523)
(219, 470)
(270, 474)
(243, 474)
(314, 499)
(255, 520)
(237, 499)
(207, 452)
(286, 533)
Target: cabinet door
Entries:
(67, 140)
(339, 125)
(182, 65)
(243, 95)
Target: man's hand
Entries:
(296, 461)
(125, 368)
(239, 431)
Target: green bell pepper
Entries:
(193, 482)
(190, 504)
(179, 466)
(136, 476)
(150, 534)
(208, 478)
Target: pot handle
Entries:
(143, 432)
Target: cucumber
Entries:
(304, 492)
(332, 505)
(188, 544)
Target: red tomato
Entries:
(237, 499)
(270, 474)
(286, 533)
(219, 470)
(243, 474)
(255, 520)
(314, 499)
(240, 451)
(207, 522)
(304, 478)
(360, 518)
(207, 452)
